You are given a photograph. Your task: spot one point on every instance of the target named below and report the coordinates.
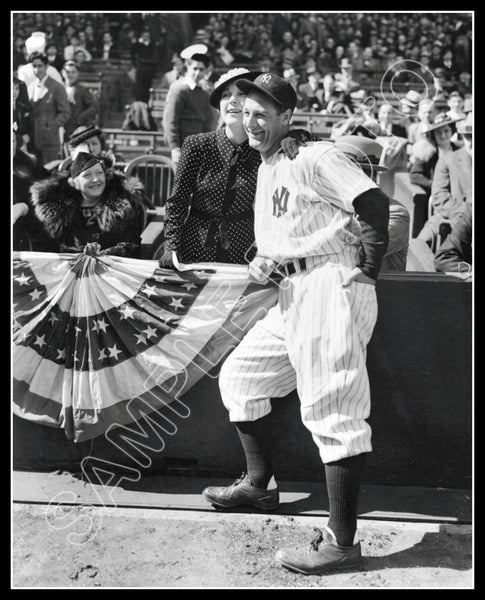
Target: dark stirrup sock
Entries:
(255, 438)
(343, 485)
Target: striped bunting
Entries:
(92, 334)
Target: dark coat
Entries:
(50, 113)
(84, 110)
(195, 207)
(116, 222)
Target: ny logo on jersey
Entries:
(280, 202)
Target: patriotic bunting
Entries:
(92, 334)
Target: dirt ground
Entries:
(133, 548)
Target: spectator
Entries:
(455, 253)
(409, 106)
(84, 107)
(109, 50)
(36, 43)
(426, 115)
(26, 170)
(73, 47)
(436, 141)
(367, 62)
(92, 139)
(95, 211)
(367, 154)
(451, 188)
(385, 119)
(139, 118)
(83, 65)
(187, 109)
(50, 110)
(55, 60)
(224, 50)
(145, 56)
(18, 52)
(464, 85)
(334, 100)
(310, 93)
(345, 81)
(175, 73)
(456, 102)
(291, 77)
(22, 116)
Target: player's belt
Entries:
(295, 266)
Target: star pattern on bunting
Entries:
(22, 279)
(150, 290)
(113, 351)
(176, 303)
(36, 294)
(127, 312)
(40, 341)
(189, 286)
(53, 318)
(150, 332)
(141, 339)
(61, 354)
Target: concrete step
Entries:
(389, 503)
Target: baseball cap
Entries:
(273, 86)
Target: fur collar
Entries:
(57, 204)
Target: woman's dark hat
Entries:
(83, 161)
(87, 133)
(440, 120)
(227, 78)
(272, 86)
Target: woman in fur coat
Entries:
(96, 210)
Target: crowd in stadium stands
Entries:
(335, 61)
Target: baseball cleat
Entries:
(324, 556)
(242, 493)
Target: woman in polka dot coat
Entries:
(209, 216)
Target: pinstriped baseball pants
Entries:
(314, 340)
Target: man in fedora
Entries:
(187, 109)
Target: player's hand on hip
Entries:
(357, 275)
(260, 269)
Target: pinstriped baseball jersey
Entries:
(316, 338)
(303, 207)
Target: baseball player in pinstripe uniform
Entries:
(322, 223)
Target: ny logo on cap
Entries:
(265, 78)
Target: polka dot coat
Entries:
(199, 187)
